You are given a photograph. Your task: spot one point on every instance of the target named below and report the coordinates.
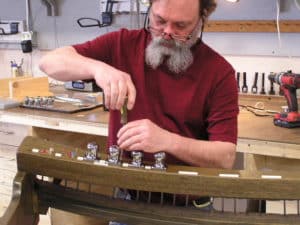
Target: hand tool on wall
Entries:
(271, 91)
(289, 83)
(262, 92)
(245, 87)
(254, 86)
(238, 80)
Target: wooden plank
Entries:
(156, 181)
(262, 128)
(76, 140)
(257, 163)
(35, 86)
(21, 208)
(4, 85)
(135, 212)
(13, 134)
(8, 168)
(88, 122)
(269, 148)
(264, 26)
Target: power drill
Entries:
(289, 82)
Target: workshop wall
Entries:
(55, 31)
(249, 52)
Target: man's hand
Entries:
(143, 135)
(66, 64)
(117, 85)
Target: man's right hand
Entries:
(117, 85)
(66, 64)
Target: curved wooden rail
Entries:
(207, 182)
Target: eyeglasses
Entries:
(160, 32)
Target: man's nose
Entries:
(167, 32)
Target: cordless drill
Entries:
(289, 82)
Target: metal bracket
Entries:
(51, 7)
(107, 17)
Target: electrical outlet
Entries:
(27, 36)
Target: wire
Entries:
(297, 4)
(278, 24)
(261, 112)
(259, 105)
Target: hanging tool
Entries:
(107, 17)
(245, 87)
(271, 91)
(254, 86)
(289, 82)
(262, 92)
(238, 80)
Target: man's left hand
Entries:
(143, 135)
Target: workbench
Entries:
(265, 145)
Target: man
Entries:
(182, 95)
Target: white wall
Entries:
(248, 52)
(249, 64)
(63, 29)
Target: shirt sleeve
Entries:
(223, 110)
(100, 48)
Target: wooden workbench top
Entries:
(249, 125)
(262, 127)
(96, 115)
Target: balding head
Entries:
(205, 7)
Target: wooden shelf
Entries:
(268, 26)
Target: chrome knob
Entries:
(114, 154)
(137, 158)
(159, 160)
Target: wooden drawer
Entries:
(12, 134)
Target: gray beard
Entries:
(178, 57)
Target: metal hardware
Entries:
(159, 161)
(137, 157)
(107, 17)
(114, 155)
(92, 152)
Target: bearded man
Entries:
(182, 95)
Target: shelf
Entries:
(264, 26)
